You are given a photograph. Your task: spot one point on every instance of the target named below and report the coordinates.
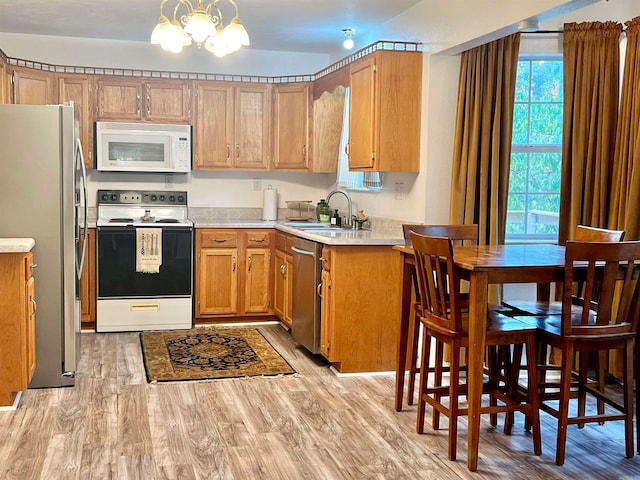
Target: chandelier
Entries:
(200, 25)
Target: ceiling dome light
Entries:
(202, 25)
(348, 41)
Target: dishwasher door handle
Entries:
(303, 252)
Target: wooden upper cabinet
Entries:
(384, 112)
(252, 122)
(77, 88)
(136, 100)
(328, 122)
(119, 99)
(231, 126)
(4, 95)
(168, 101)
(33, 87)
(291, 126)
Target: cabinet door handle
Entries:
(138, 104)
(228, 151)
(237, 150)
(234, 264)
(319, 289)
(304, 152)
(148, 104)
(33, 266)
(346, 149)
(35, 305)
(250, 257)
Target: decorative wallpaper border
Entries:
(159, 74)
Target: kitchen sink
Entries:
(306, 225)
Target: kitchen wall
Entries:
(446, 27)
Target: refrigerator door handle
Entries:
(80, 160)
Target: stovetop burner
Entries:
(168, 220)
(121, 220)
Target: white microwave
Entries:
(143, 147)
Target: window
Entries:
(536, 150)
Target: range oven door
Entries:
(116, 265)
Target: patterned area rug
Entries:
(209, 353)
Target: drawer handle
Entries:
(144, 307)
(35, 305)
(257, 240)
(219, 240)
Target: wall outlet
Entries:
(257, 184)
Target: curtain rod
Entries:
(535, 32)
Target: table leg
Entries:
(478, 283)
(407, 283)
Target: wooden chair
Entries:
(546, 311)
(547, 307)
(611, 285)
(443, 319)
(467, 233)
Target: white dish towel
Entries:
(148, 250)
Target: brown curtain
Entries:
(625, 185)
(591, 82)
(482, 143)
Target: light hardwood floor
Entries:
(311, 425)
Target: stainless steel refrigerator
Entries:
(43, 196)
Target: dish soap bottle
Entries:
(323, 212)
(336, 221)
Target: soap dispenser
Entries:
(336, 221)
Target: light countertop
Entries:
(13, 245)
(328, 235)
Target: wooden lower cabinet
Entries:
(233, 273)
(17, 323)
(88, 282)
(361, 300)
(283, 278)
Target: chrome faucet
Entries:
(349, 220)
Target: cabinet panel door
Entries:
(119, 99)
(217, 285)
(258, 263)
(279, 285)
(168, 101)
(288, 290)
(88, 282)
(30, 365)
(213, 136)
(291, 127)
(33, 87)
(362, 114)
(76, 88)
(251, 146)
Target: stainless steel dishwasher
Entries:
(307, 272)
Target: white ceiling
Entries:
(315, 26)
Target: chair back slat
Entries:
(610, 281)
(438, 282)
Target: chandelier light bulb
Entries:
(348, 43)
(200, 26)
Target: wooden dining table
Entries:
(480, 265)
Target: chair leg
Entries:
(423, 379)
(563, 405)
(414, 334)
(583, 368)
(493, 366)
(437, 380)
(454, 398)
(513, 375)
(600, 369)
(532, 394)
(627, 369)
